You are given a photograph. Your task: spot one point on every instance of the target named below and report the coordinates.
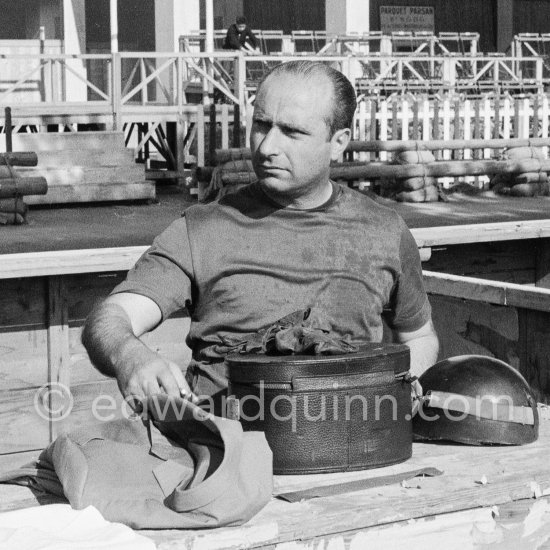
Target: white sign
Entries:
(406, 18)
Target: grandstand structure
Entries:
(400, 62)
(168, 103)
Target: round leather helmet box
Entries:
(476, 400)
(327, 413)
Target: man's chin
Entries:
(275, 185)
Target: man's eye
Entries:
(260, 124)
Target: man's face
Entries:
(241, 27)
(291, 147)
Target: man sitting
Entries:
(295, 239)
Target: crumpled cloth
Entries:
(307, 331)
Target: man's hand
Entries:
(111, 337)
(143, 373)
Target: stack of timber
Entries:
(13, 210)
(84, 167)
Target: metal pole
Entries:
(114, 25)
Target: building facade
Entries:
(149, 25)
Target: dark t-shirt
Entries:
(242, 263)
(235, 40)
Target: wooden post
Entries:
(7, 129)
(200, 135)
(113, 10)
(42, 41)
(225, 126)
(212, 127)
(116, 66)
(236, 126)
(172, 142)
(58, 353)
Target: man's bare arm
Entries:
(111, 337)
(424, 347)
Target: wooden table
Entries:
(487, 497)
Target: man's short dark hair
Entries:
(344, 100)
(241, 20)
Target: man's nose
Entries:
(270, 143)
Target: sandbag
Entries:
(414, 157)
(515, 153)
(528, 190)
(13, 211)
(426, 194)
(530, 177)
(412, 184)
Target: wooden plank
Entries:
(80, 174)
(23, 357)
(481, 232)
(108, 157)
(506, 261)
(63, 141)
(459, 488)
(481, 290)
(86, 290)
(16, 460)
(465, 327)
(95, 192)
(69, 261)
(24, 426)
(22, 302)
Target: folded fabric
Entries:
(307, 331)
(176, 467)
(58, 526)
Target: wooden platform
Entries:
(487, 497)
(83, 167)
(107, 225)
(53, 270)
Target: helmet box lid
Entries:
(282, 369)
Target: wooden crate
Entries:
(83, 167)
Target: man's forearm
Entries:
(424, 350)
(108, 337)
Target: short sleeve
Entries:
(165, 271)
(410, 308)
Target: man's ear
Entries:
(339, 142)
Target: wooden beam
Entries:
(64, 262)
(482, 290)
(481, 232)
(441, 144)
